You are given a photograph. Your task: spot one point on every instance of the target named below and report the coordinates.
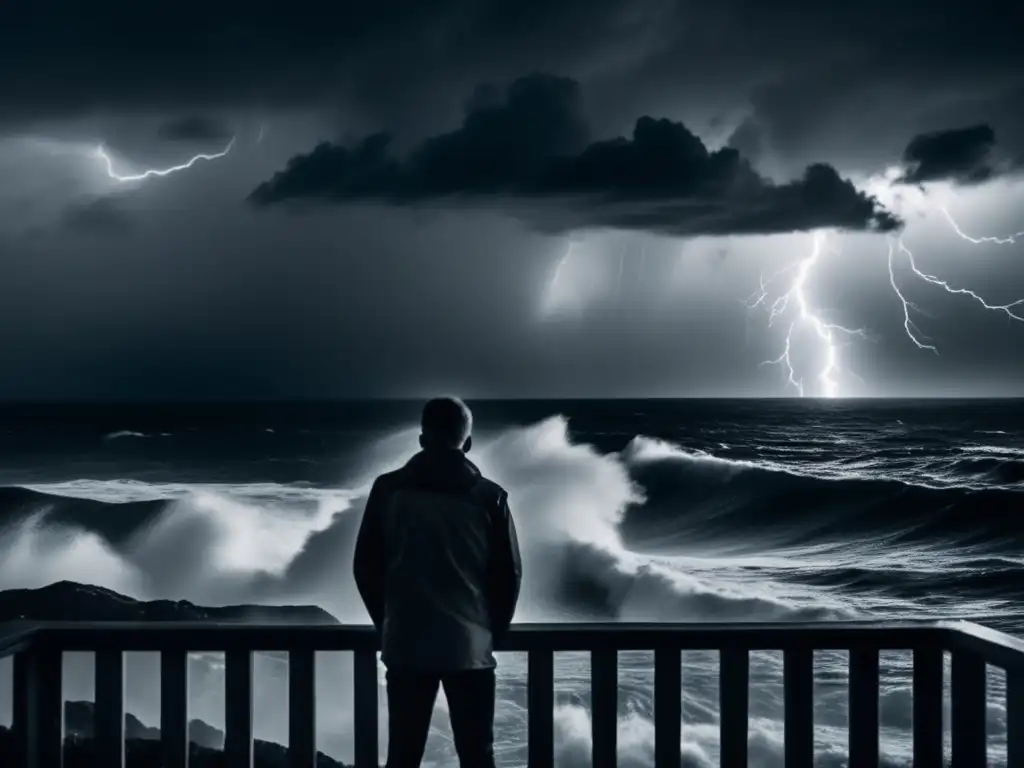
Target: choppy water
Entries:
(628, 511)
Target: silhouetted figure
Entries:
(437, 565)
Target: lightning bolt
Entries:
(908, 324)
(795, 306)
(826, 332)
(807, 316)
(1006, 309)
(1009, 240)
(101, 153)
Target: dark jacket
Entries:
(437, 563)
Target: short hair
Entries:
(448, 420)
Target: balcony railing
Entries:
(38, 699)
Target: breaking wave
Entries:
(579, 513)
(654, 532)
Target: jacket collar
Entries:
(442, 469)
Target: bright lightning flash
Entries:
(913, 333)
(825, 332)
(1010, 310)
(1009, 240)
(101, 153)
(796, 305)
(806, 316)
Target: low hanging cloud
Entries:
(960, 155)
(530, 153)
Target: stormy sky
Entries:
(539, 198)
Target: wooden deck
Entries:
(38, 700)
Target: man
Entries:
(437, 565)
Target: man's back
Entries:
(438, 563)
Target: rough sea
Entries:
(683, 511)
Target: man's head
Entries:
(447, 423)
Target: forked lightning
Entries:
(807, 316)
(825, 332)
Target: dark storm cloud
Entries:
(841, 81)
(748, 139)
(203, 295)
(61, 57)
(71, 57)
(961, 155)
(861, 77)
(529, 153)
(194, 128)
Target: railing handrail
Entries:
(578, 636)
(39, 704)
(997, 648)
(1005, 650)
(518, 628)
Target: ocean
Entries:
(655, 510)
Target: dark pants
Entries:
(470, 697)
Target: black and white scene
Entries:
(512, 383)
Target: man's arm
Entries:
(369, 564)
(506, 570)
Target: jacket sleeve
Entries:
(506, 569)
(369, 564)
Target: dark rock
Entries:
(145, 753)
(70, 601)
(204, 734)
(79, 723)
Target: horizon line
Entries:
(321, 400)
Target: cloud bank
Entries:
(530, 153)
(962, 156)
